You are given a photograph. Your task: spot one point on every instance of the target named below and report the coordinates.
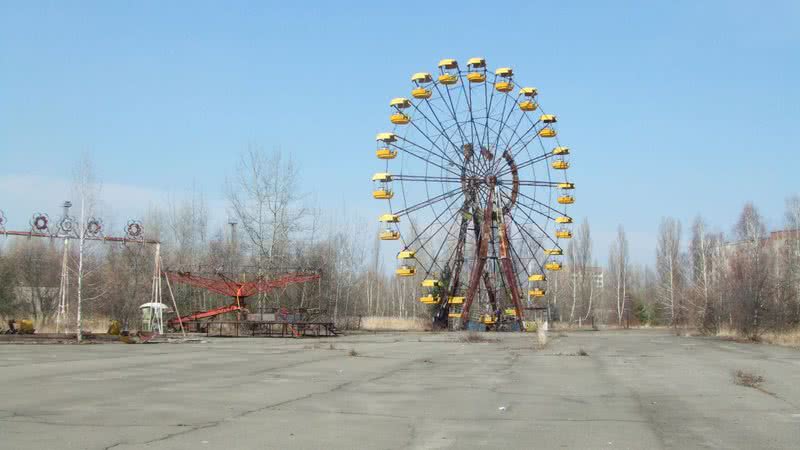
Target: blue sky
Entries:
(676, 109)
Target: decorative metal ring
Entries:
(67, 224)
(40, 222)
(134, 229)
(94, 226)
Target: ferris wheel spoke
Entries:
(427, 160)
(551, 184)
(441, 125)
(513, 132)
(449, 230)
(428, 202)
(434, 221)
(533, 238)
(544, 233)
(503, 118)
(525, 234)
(452, 111)
(431, 178)
(441, 152)
(441, 132)
(527, 163)
(543, 205)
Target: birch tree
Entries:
(670, 270)
(618, 262)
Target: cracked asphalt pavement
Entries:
(635, 389)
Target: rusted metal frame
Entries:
(88, 238)
(507, 265)
(480, 261)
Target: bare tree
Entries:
(265, 197)
(751, 265)
(670, 269)
(85, 186)
(618, 262)
(579, 257)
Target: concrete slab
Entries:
(635, 389)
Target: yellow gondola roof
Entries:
(448, 64)
(504, 72)
(386, 137)
(528, 91)
(476, 62)
(400, 102)
(566, 185)
(382, 176)
(422, 77)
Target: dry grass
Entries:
(375, 323)
(790, 338)
(787, 338)
(748, 379)
(473, 337)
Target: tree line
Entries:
(747, 279)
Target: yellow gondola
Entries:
(488, 319)
(455, 300)
(448, 79)
(560, 164)
(406, 254)
(528, 91)
(428, 299)
(505, 72)
(566, 185)
(386, 137)
(421, 93)
(406, 271)
(553, 266)
(389, 218)
(528, 105)
(399, 119)
(430, 283)
(383, 177)
(548, 118)
(537, 277)
(547, 132)
(454, 315)
(448, 64)
(389, 235)
(504, 86)
(400, 103)
(510, 312)
(476, 75)
(563, 219)
(564, 234)
(560, 151)
(421, 78)
(566, 199)
(385, 153)
(382, 194)
(536, 292)
(553, 251)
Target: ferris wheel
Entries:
(476, 190)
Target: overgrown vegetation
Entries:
(748, 379)
(474, 337)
